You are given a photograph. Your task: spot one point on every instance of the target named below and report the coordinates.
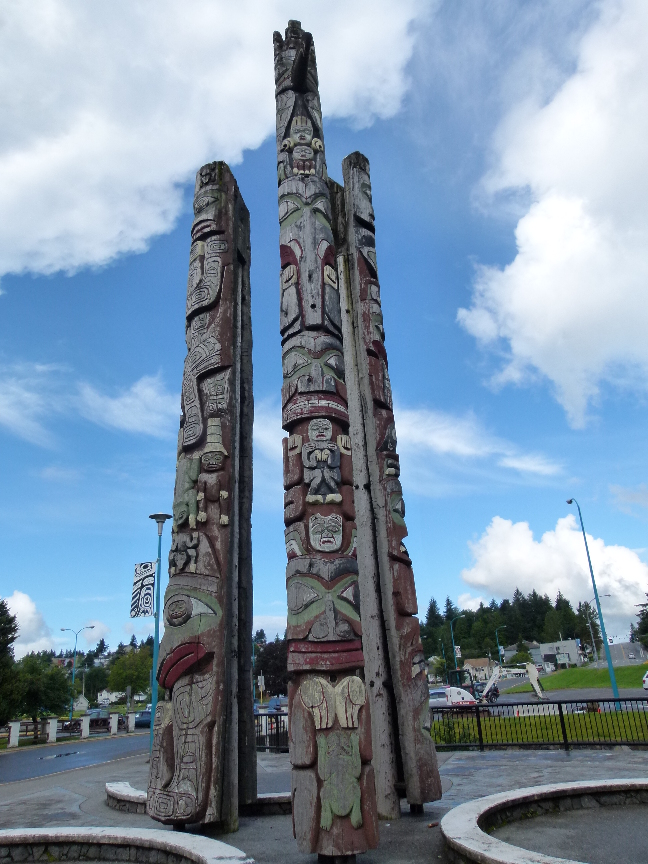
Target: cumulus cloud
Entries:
(109, 108)
(145, 407)
(507, 556)
(33, 632)
(422, 432)
(571, 305)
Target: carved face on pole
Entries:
(330, 748)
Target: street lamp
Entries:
(76, 636)
(454, 650)
(499, 650)
(160, 518)
(590, 627)
(615, 689)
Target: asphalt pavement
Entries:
(28, 762)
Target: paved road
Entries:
(574, 695)
(29, 762)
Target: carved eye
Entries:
(322, 206)
(294, 361)
(352, 595)
(202, 203)
(286, 207)
(178, 611)
(336, 362)
(300, 595)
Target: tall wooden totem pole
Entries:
(204, 756)
(334, 806)
(358, 691)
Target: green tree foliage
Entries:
(96, 679)
(131, 670)
(8, 633)
(260, 637)
(41, 689)
(272, 660)
(525, 618)
(639, 631)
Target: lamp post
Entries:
(160, 518)
(589, 623)
(615, 689)
(76, 636)
(454, 650)
(499, 650)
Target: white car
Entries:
(645, 681)
(450, 696)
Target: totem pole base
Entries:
(336, 859)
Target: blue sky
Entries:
(507, 150)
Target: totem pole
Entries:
(204, 756)
(334, 808)
(380, 508)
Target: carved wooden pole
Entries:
(334, 808)
(204, 731)
(381, 520)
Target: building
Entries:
(107, 697)
(81, 703)
(561, 653)
(481, 668)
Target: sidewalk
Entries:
(78, 798)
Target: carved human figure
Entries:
(333, 786)
(195, 768)
(321, 458)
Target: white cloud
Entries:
(572, 303)
(28, 395)
(33, 632)
(273, 625)
(508, 557)
(59, 474)
(625, 497)
(146, 407)
(99, 631)
(420, 430)
(467, 601)
(108, 108)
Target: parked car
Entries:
(631, 656)
(143, 718)
(438, 697)
(645, 681)
(277, 705)
(451, 696)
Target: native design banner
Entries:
(143, 585)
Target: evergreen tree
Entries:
(8, 634)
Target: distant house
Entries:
(108, 697)
(81, 703)
(481, 668)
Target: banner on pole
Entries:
(143, 582)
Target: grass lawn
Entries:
(581, 678)
(631, 726)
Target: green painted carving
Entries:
(307, 598)
(339, 766)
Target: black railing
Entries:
(583, 723)
(272, 732)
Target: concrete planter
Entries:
(464, 828)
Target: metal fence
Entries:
(272, 732)
(584, 723)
